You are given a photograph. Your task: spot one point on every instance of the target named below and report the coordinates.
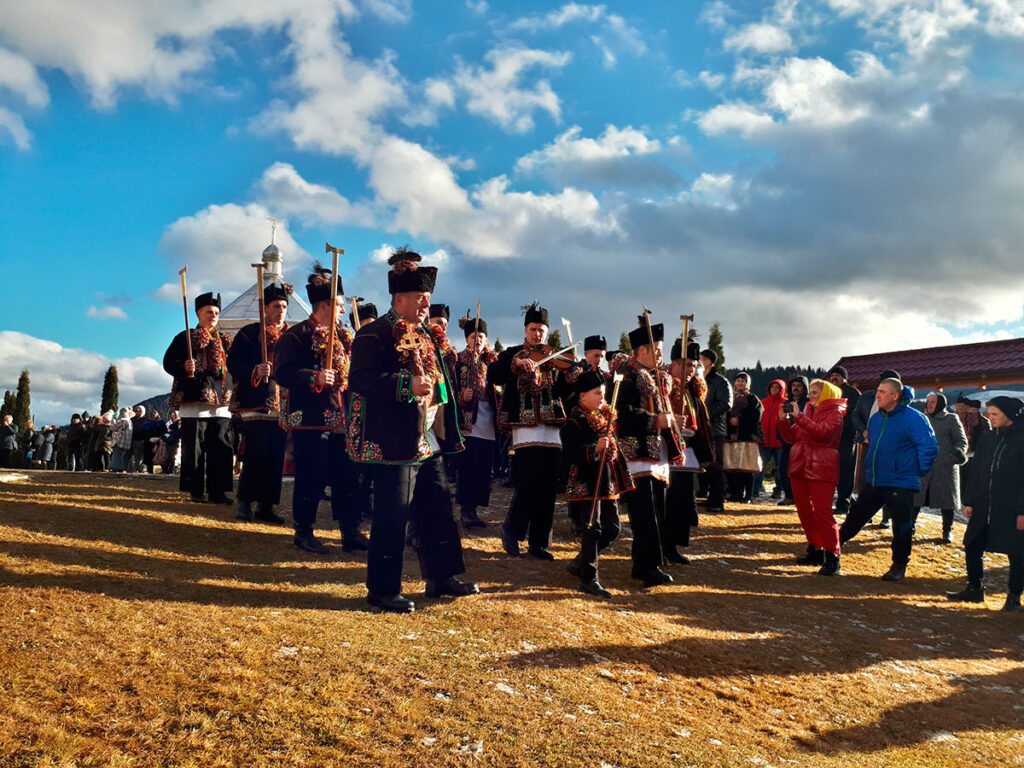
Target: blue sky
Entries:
(823, 178)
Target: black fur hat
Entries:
(587, 381)
(472, 325)
(440, 310)
(639, 337)
(534, 313)
(318, 286)
(278, 291)
(407, 276)
(595, 342)
(207, 300)
(367, 312)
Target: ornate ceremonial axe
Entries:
(334, 300)
(184, 304)
(604, 454)
(568, 329)
(263, 313)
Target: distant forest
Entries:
(761, 377)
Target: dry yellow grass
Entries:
(137, 629)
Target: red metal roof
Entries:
(988, 362)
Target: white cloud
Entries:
(817, 92)
(15, 126)
(219, 243)
(615, 28)
(287, 194)
(18, 75)
(568, 13)
(498, 93)
(715, 189)
(711, 80)
(393, 11)
(760, 38)
(572, 147)
(107, 313)
(65, 380)
(740, 117)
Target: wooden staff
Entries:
(334, 301)
(658, 378)
(476, 328)
(184, 304)
(604, 453)
(263, 313)
(687, 319)
(354, 302)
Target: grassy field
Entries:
(138, 629)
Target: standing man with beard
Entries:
(531, 407)
(257, 401)
(403, 418)
(313, 409)
(199, 395)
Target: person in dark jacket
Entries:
(796, 394)
(867, 406)
(199, 393)
(25, 441)
(403, 418)
(101, 444)
(848, 444)
(719, 403)
(940, 488)
(312, 405)
(901, 450)
(532, 409)
(590, 446)
(77, 433)
(975, 423)
(8, 440)
(814, 470)
(993, 503)
(744, 426)
(256, 401)
(478, 407)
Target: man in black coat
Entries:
(848, 442)
(403, 418)
(8, 440)
(531, 408)
(313, 410)
(256, 400)
(199, 395)
(719, 403)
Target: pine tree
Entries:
(715, 343)
(108, 401)
(555, 339)
(22, 402)
(624, 345)
(498, 346)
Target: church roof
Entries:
(247, 307)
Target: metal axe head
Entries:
(328, 248)
(686, 317)
(182, 270)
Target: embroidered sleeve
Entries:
(403, 392)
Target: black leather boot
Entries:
(973, 593)
(831, 565)
(814, 556)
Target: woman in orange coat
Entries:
(814, 470)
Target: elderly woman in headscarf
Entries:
(940, 488)
(814, 469)
(994, 503)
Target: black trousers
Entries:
(680, 508)
(262, 461)
(847, 471)
(646, 508)
(321, 460)
(899, 502)
(595, 538)
(416, 493)
(787, 487)
(206, 455)
(741, 484)
(976, 566)
(532, 510)
(716, 475)
(475, 462)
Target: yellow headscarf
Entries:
(829, 391)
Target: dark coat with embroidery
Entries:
(207, 385)
(571, 399)
(465, 364)
(527, 401)
(748, 409)
(387, 424)
(296, 364)
(579, 449)
(637, 408)
(698, 421)
(246, 353)
(995, 491)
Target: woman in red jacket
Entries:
(814, 470)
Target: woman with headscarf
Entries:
(814, 469)
(940, 488)
(994, 503)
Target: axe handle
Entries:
(184, 306)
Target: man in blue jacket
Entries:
(901, 450)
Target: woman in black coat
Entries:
(994, 502)
(744, 426)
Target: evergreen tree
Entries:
(498, 346)
(8, 405)
(22, 402)
(715, 343)
(555, 339)
(108, 401)
(624, 345)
